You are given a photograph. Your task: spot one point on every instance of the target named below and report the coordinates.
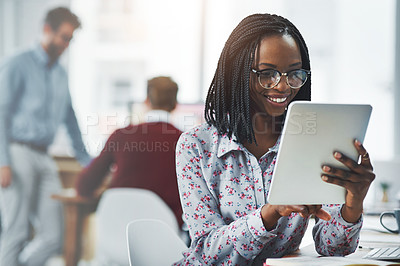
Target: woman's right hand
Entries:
(271, 213)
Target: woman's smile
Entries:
(280, 53)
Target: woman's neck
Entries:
(267, 129)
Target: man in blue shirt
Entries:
(34, 102)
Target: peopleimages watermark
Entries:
(105, 124)
(300, 124)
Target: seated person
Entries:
(143, 155)
(224, 167)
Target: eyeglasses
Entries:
(269, 78)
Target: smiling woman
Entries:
(276, 52)
(224, 166)
(269, 48)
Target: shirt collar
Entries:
(227, 145)
(157, 116)
(276, 146)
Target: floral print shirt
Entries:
(222, 188)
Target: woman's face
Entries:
(279, 52)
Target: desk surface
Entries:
(372, 235)
(70, 196)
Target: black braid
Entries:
(228, 100)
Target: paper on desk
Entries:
(326, 261)
(71, 192)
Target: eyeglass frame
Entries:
(258, 72)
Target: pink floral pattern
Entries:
(222, 189)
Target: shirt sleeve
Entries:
(74, 132)
(213, 240)
(336, 237)
(93, 175)
(11, 82)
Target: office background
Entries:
(353, 45)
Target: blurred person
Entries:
(143, 155)
(35, 101)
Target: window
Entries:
(352, 54)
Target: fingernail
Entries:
(326, 168)
(337, 155)
(357, 142)
(324, 177)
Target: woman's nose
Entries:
(282, 85)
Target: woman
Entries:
(225, 166)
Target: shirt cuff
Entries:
(84, 159)
(257, 229)
(345, 227)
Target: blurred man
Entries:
(144, 154)
(34, 102)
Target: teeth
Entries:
(277, 100)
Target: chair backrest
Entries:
(119, 206)
(152, 242)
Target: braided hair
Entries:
(228, 100)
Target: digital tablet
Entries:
(310, 135)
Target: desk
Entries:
(372, 235)
(76, 209)
(68, 170)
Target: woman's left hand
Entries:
(356, 180)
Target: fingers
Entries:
(316, 210)
(304, 211)
(322, 214)
(356, 179)
(286, 210)
(301, 209)
(357, 172)
(365, 160)
(340, 173)
(351, 164)
(337, 181)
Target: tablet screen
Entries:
(311, 133)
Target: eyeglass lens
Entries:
(270, 78)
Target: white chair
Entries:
(152, 242)
(117, 207)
